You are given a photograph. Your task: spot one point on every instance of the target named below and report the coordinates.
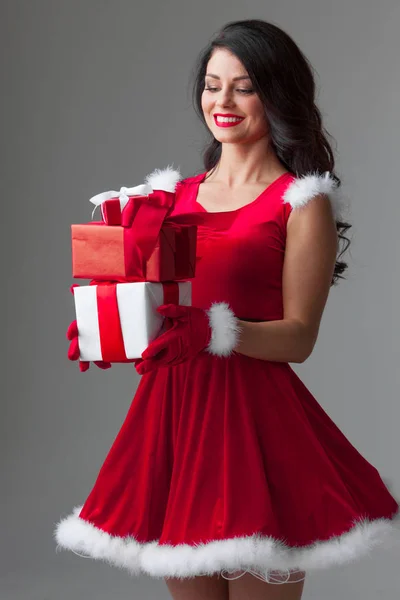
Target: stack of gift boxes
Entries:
(138, 258)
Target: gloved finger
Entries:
(168, 323)
(102, 364)
(174, 311)
(175, 353)
(73, 350)
(72, 287)
(159, 344)
(84, 365)
(136, 361)
(146, 366)
(72, 331)
(168, 357)
(133, 360)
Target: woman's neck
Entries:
(242, 164)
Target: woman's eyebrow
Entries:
(234, 79)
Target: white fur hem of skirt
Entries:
(251, 552)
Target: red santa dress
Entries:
(229, 464)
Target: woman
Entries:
(227, 476)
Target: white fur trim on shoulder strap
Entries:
(224, 327)
(164, 179)
(302, 189)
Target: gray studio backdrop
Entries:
(95, 95)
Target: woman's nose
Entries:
(225, 98)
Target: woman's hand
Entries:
(190, 330)
(73, 350)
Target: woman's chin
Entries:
(228, 137)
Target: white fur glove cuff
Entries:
(225, 329)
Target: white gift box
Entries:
(121, 326)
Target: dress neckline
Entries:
(200, 178)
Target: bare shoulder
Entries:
(316, 214)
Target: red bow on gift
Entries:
(143, 215)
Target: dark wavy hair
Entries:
(283, 79)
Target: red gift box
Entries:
(135, 243)
(105, 253)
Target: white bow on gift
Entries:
(123, 195)
(160, 179)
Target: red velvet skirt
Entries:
(228, 465)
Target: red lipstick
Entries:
(232, 123)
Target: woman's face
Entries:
(232, 110)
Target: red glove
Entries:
(73, 350)
(191, 330)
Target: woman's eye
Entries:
(242, 91)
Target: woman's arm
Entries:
(310, 256)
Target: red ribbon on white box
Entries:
(110, 327)
(116, 322)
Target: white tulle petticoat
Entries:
(277, 577)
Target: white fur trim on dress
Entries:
(300, 191)
(224, 328)
(258, 552)
(164, 179)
